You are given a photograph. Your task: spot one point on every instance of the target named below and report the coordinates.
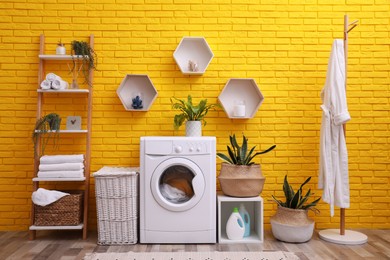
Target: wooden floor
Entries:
(68, 245)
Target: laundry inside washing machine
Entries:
(176, 184)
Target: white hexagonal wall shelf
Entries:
(193, 55)
(134, 89)
(241, 98)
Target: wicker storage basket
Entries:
(66, 211)
(241, 180)
(116, 191)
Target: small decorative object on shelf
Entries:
(191, 112)
(60, 50)
(239, 176)
(137, 102)
(192, 66)
(73, 123)
(291, 222)
(239, 109)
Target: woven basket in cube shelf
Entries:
(64, 212)
(116, 190)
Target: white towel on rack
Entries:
(43, 197)
(72, 158)
(60, 174)
(333, 172)
(45, 84)
(51, 77)
(61, 167)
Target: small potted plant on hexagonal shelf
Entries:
(192, 115)
(239, 175)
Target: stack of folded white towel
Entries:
(61, 166)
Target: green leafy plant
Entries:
(46, 128)
(297, 200)
(189, 111)
(239, 155)
(89, 59)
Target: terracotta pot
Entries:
(292, 225)
(241, 180)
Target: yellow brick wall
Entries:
(283, 45)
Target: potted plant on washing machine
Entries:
(239, 175)
(192, 114)
(291, 222)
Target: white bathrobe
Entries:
(333, 172)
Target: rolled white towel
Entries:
(61, 167)
(43, 197)
(72, 158)
(64, 84)
(51, 77)
(45, 84)
(56, 84)
(61, 174)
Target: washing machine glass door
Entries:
(177, 184)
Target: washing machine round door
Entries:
(177, 184)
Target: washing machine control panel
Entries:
(191, 147)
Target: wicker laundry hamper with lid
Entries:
(116, 190)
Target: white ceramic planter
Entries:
(60, 50)
(193, 128)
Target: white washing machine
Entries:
(178, 190)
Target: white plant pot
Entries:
(60, 50)
(193, 128)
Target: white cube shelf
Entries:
(137, 85)
(241, 98)
(253, 205)
(196, 50)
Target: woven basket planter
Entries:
(292, 225)
(241, 180)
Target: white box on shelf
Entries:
(254, 206)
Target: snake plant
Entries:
(297, 200)
(239, 155)
(189, 111)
